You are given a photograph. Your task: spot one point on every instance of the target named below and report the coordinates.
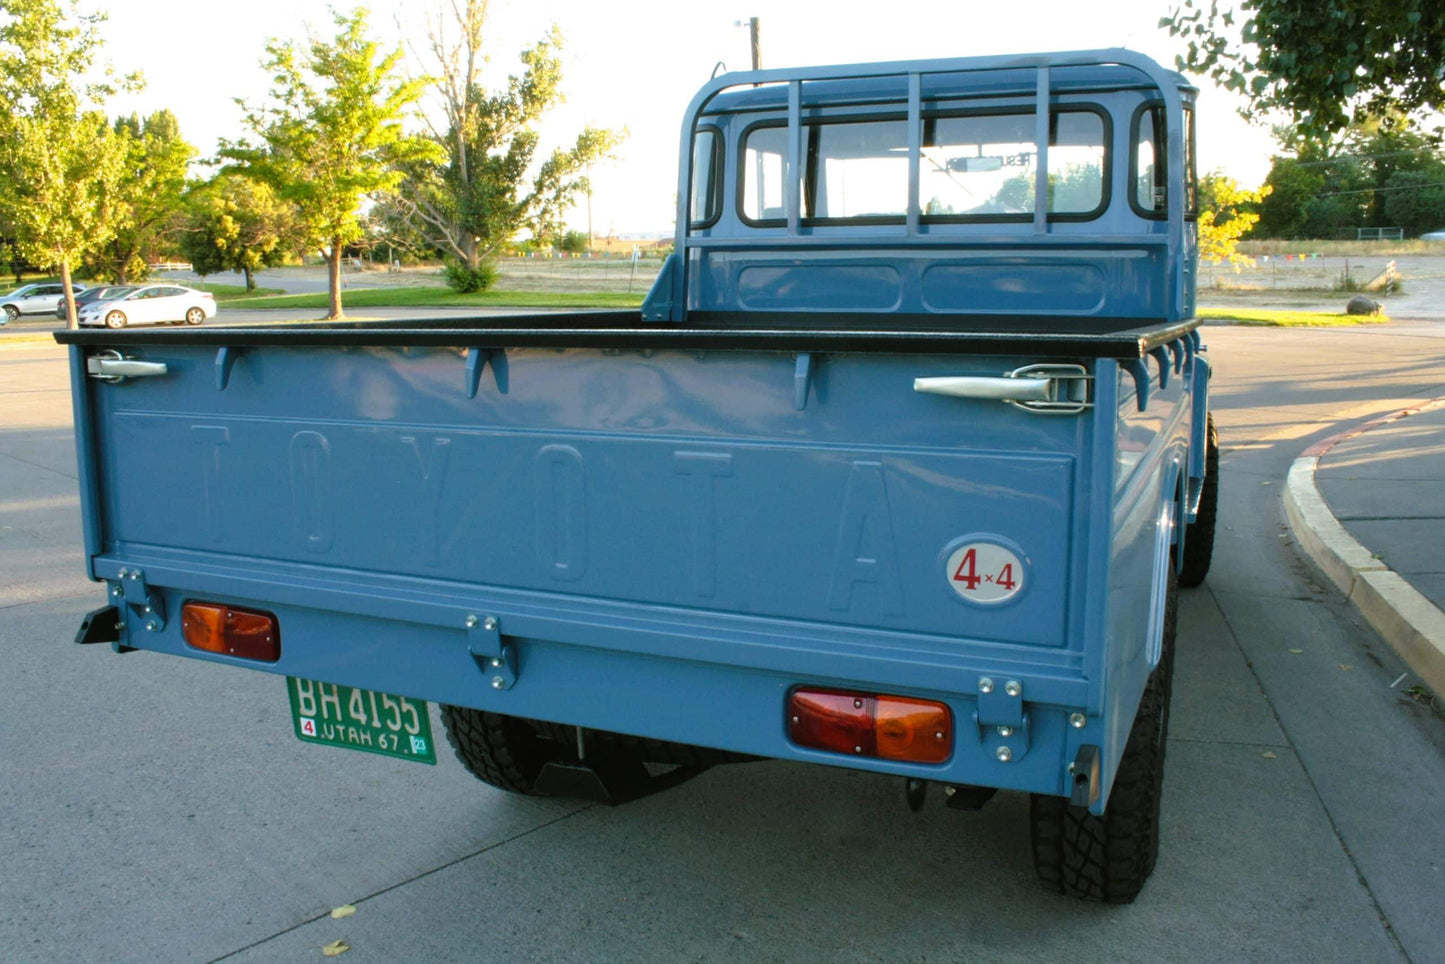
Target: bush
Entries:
(467, 280)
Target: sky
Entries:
(636, 66)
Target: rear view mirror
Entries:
(972, 165)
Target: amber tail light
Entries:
(231, 631)
(865, 724)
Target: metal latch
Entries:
(1045, 389)
(497, 659)
(112, 366)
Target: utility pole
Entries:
(757, 48)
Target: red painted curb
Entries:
(1319, 449)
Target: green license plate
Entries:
(361, 720)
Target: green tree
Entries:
(573, 242)
(1315, 60)
(150, 197)
(1292, 188)
(60, 161)
(1415, 200)
(1075, 188)
(1328, 186)
(1389, 144)
(1227, 213)
(485, 185)
(236, 223)
(331, 136)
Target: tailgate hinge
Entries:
(148, 607)
(487, 646)
(1003, 723)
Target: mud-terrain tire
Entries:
(1199, 534)
(505, 751)
(1108, 858)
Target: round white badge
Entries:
(985, 572)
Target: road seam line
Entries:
(402, 883)
(1314, 787)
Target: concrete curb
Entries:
(1408, 621)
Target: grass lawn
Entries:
(229, 293)
(1288, 319)
(445, 297)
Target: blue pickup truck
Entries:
(897, 468)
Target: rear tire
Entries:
(1109, 858)
(195, 316)
(509, 752)
(503, 751)
(1199, 534)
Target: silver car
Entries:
(35, 299)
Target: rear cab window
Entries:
(974, 166)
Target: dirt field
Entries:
(1273, 281)
(532, 274)
(1316, 282)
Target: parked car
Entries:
(92, 295)
(151, 305)
(1433, 235)
(35, 299)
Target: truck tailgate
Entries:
(665, 479)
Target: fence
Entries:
(1379, 234)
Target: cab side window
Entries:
(1151, 195)
(1149, 164)
(705, 200)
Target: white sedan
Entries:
(152, 305)
(34, 299)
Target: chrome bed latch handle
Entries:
(1044, 389)
(112, 366)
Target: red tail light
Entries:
(863, 724)
(231, 631)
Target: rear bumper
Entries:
(702, 678)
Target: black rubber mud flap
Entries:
(101, 626)
(1085, 772)
(607, 781)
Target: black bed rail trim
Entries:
(1132, 338)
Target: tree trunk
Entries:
(333, 264)
(250, 281)
(70, 320)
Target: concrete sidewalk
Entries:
(1368, 506)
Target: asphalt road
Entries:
(154, 808)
